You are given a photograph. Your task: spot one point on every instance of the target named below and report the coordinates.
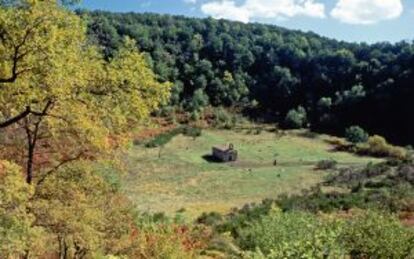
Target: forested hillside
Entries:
(272, 70)
(86, 171)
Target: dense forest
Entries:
(77, 89)
(269, 71)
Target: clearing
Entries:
(182, 179)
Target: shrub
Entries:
(303, 235)
(326, 164)
(339, 143)
(191, 132)
(210, 219)
(375, 235)
(194, 115)
(258, 131)
(319, 201)
(166, 137)
(239, 218)
(293, 235)
(378, 146)
(296, 118)
(136, 142)
(356, 134)
(406, 173)
(223, 119)
(163, 138)
(167, 242)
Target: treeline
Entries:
(270, 71)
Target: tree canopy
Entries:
(59, 93)
(63, 107)
(367, 85)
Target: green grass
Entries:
(182, 178)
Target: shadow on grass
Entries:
(212, 159)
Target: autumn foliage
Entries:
(64, 109)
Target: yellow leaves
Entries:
(93, 99)
(15, 221)
(136, 82)
(38, 50)
(45, 58)
(74, 204)
(13, 188)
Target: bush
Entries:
(163, 138)
(374, 235)
(339, 143)
(191, 132)
(223, 119)
(194, 116)
(296, 118)
(303, 235)
(166, 137)
(356, 134)
(168, 242)
(378, 146)
(326, 164)
(137, 142)
(210, 219)
(293, 235)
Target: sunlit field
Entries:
(178, 175)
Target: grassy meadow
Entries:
(177, 176)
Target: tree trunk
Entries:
(80, 252)
(63, 249)
(32, 137)
(26, 255)
(31, 145)
(30, 160)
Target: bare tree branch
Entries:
(54, 169)
(16, 119)
(17, 56)
(26, 113)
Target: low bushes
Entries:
(293, 235)
(378, 186)
(169, 242)
(166, 137)
(330, 202)
(163, 138)
(375, 146)
(299, 235)
(191, 132)
(265, 231)
(222, 119)
(376, 235)
(326, 164)
(378, 146)
(351, 176)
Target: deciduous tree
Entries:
(58, 93)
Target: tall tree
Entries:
(58, 93)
